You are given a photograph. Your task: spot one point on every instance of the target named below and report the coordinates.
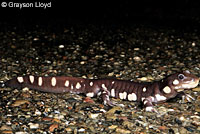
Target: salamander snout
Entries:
(185, 80)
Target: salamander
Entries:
(147, 93)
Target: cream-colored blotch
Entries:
(78, 85)
(132, 97)
(91, 83)
(67, 83)
(20, 79)
(40, 81)
(144, 89)
(175, 82)
(167, 90)
(31, 78)
(53, 81)
(113, 92)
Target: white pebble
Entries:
(136, 49)
(102, 110)
(182, 118)
(136, 58)
(37, 112)
(25, 89)
(33, 126)
(93, 116)
(21, 133)
(82, 62)
(36, 39)
(81, 130)
(61, 46)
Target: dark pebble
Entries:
(171, 131)
(71, 100)
(179, 122)
(190, 128)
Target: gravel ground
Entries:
(129, 52)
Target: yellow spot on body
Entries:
(121, 96)
(20, 79)
(175, 82)
(31, 78)
(125, 95)
(78, 85)
(113, 92)
(167, 90)
(132, 97)
(53, 81)
(160, 98)
(40, 81)
(144, 89)
(67, 83)
(91, 83)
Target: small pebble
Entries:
(25, 89)
(81, 130)
(37, 112)
(35, 39)
(142, 79)
(21, 132)
(137, 59)
(122, 131)
(61, 46)
(93, 116)
(33, 125)
(136, 49)
(20, 102)
(162, 128)
(5, 127)
(197, 89)
(53, 127)
(68, 129)
(112, 127)
(7, 132)
(88, 100)
(193, 44)
(82, 62)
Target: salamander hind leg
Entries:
(148, 104)
(105, 94)
(107, 101)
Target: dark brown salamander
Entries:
(147, 93)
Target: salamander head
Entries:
(183, 80)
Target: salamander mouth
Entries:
(187, 85)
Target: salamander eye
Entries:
(181, 76)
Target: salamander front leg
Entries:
(107, 101)
(149, 107)
(185, 96)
